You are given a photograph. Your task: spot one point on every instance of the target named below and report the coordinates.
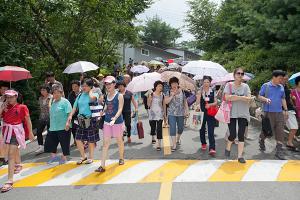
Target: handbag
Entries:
(212, 110)
(266, 127)
(140, 130)
(223, 114)
(196, 119)
(191, 99)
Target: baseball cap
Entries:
(109, 79)
(11, 93)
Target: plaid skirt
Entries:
(90, 134)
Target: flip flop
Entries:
(81, 161)
(7, 187)
(88, 161)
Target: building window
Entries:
(145, 52)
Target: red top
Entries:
(16, 115)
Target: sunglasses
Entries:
(240, 73)
(108, 83)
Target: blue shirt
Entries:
(276, 94)
(59, 112)
(82, 103)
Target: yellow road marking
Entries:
(169, 171)
(111, 171)
(45, 175)
(25, 165)
(290, 171)
(166, 141)
(165, 191)
(231, 171)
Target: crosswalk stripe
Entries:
(200, 171)
(290, 171)
(73, 175)
(169, 171)
(231, 171)
(4, 171)
(137, 172)
(30, 169)
(45, 175)
(264, 170)
(111, 171)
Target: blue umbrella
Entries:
(293, 78)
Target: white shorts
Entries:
(292, 122)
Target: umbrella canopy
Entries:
(156, 63)
(14, 73)
(225, 79)
(143, 82)
(205, 68)
(139, 69)
(185, 82)
(293, 78)
(80, 67)
(174, 66)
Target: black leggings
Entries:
(127, 119)
(242, 123)
(40, 129)
(156, 128)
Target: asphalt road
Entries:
(189, 150)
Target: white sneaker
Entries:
(40, 149)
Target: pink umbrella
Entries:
(14, 73)
(226, 78)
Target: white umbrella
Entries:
(80, 67)
(228, 77)
(204, 68)
(143, 82)
(139, 69)
(156, 63)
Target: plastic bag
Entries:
(196, 119)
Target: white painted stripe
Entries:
(200, 171)
(137, 172)
(76, 174)
(26, 172)
(264, 170)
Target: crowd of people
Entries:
(103, 106)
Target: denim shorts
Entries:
(176, 124)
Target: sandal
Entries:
(153, 141)
(158, 148)
(292, 148)
(173, 149)
(121, 162)
(89, 161)
(81, 161)
(100, 169)
(7, 187)
(18, 168)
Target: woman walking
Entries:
(59, 128)
(13, 115)
(44, 119)
(240, 96)
(88, 129)
(127, 114)
(177, 110)
(113, 121)
(207, 100)
(156, 113)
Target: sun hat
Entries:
(11, 93)
(109, 79)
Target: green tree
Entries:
(46, 35)
(258, 35)
(157, 32)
